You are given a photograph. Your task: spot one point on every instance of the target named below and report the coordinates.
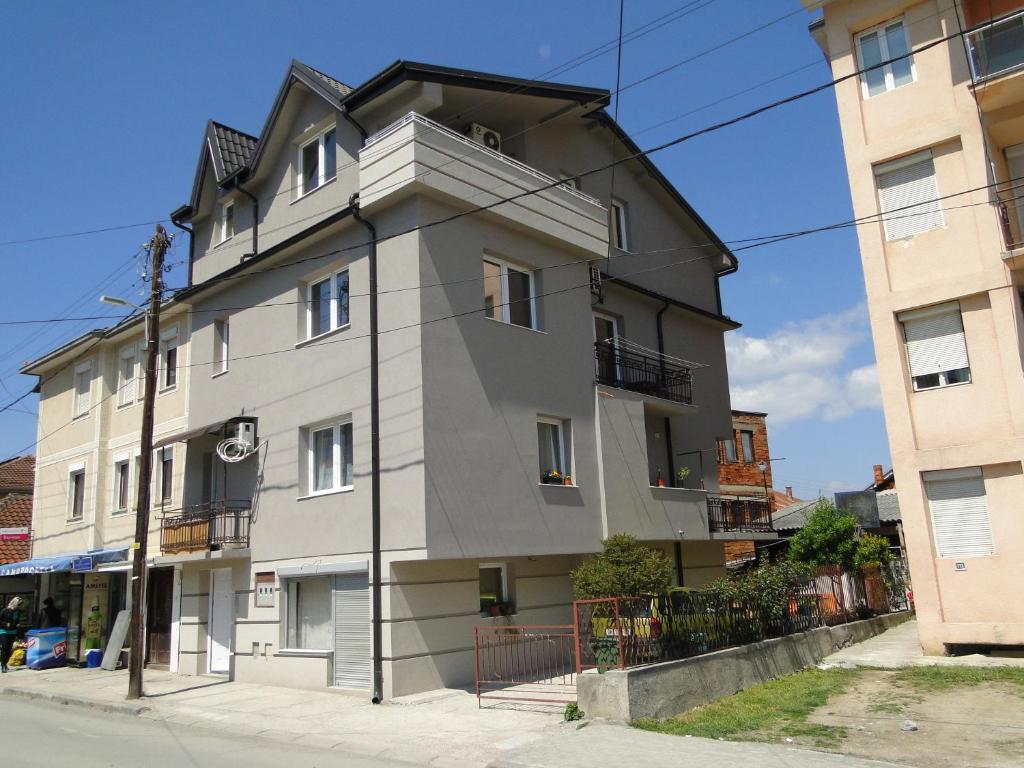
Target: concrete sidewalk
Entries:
(443, 729)
(899, 647)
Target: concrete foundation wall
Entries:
(663, 690)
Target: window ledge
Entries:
(557, 485)
(304, 195)
(80, 416)
(677, 488)
(503, 616)
(941, 387)
(166, 391)
(307, 653)
(319, 337)
(119, 513)
(218, 374)
(514, 325)
(222, 242)
(331, 492)
(126, 406)
(75, 521)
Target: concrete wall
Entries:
(674, 687)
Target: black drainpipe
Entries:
(677, 546)
(191, 246)
(355, 124)
(255, 223)
(375, 586)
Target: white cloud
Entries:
(797, 372)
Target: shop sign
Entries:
(13, 534)
(82, 564)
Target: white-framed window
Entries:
(221, 340)
(317, 161)
(76, 492)
(494, 594)
(747, 441)
(882, 43)
(509, 293)
(329, 455)
(908, 196)
(619, 223)
(122, 485)
(936, 346)
(165, 461)
(309, 623)
(554, 448)
(959, 510)
(227, 221)
(127, 375)
(83, 390)
(168, 374)
(327, 304)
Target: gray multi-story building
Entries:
(551, 354)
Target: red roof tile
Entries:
(18, 474)
(15, 512)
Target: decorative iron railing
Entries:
(997, 47)
(214, 525)
(643, 373)
(749, 515)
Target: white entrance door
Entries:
(222, 618)
(353, 646)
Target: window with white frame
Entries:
(908, 196)
(165, 460)
(83, 389)
(221, 331)
(936, 346)
(169, 357)
(227, 221)
(76, 493)
(317, 161)
(959, 512)
(554, 449)
(122, 485)
(127, 375)
(327, 304)
(494, 596)
(508, 293)
(883, 43)
(619, 224)
(309, 624)
(329, 455)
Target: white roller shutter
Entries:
(908, 188)
(353, 646)
(959, 511)
(935, 339)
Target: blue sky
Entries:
(105, 106)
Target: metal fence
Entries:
(647, 374)
(532, 663)
(206, 526)
(752, 515)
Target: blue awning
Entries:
(63, 562)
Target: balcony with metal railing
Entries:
(626, 366)
(996, 47)
(739, 515)
(212, 526)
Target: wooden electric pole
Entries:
(137, 629)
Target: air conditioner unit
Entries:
(483, 135)
(243, 431)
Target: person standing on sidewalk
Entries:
(10, 618)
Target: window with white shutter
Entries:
(83, 389)
(936, 347)
(959, 510)
(908, 195)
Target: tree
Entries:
(872, 549)
(828, 538)
(626, 568)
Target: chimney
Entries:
(879, 475)
(789, 491)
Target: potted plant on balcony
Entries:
(659, 480)
(567, 480)
(681, 474)
(552, 477)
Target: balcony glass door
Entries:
(1015, 199)
(606, 339)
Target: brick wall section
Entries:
(744, 471)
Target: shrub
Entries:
(573, 712)
(826, 539)
(625, 568)
(872, 549)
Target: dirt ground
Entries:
(978, 726)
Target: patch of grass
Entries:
(767, 712)
(936, 678)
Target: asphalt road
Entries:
(40, 734)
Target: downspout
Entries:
(191, 247)
(668, 421)
(255, 223)
(355, 123)
(375, 585)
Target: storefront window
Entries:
(309, 614)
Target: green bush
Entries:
(625, 568)
(826, 539)
(573, 712)
(872, 549)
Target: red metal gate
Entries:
(535, 663)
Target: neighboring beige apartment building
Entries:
(934, 144)
(543, 364)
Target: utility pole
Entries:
(137, 630)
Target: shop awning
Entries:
(63, 562)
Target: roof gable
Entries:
(227, 149)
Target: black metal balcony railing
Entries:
(997, 48)
(639, 372)
(1011, 217)
(745, 515)
(214, 525)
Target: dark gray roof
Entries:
(337, 85)
(795, 516)
(235, 147)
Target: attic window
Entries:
(227, 221)
(317, 161)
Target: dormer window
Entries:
(227, 221)
(318, 161)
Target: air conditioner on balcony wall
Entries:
(242, 431)
(481, 134)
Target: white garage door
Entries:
(353, 646)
